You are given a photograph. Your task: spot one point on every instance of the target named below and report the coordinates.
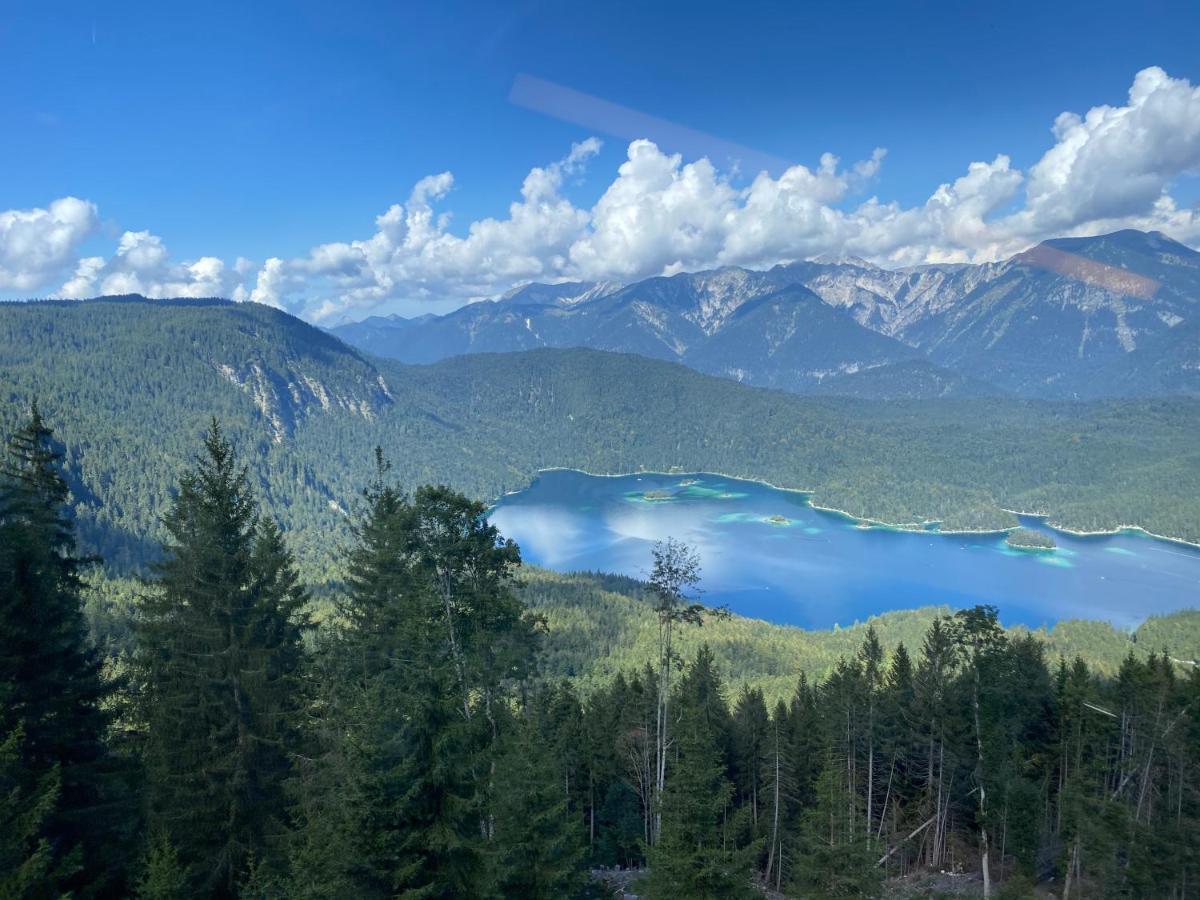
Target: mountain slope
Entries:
(1112, 315)
(130, 385)
(915, 379)
(717, 322)
(792, 340)
(1066, 317)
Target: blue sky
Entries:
(263, 130)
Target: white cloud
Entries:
(1109, 168)
(142, 265)
(1116, 161)
(37, 244)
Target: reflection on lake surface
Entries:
(767, 553)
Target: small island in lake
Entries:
(657, 495)
(778, 520)
(1028, 539)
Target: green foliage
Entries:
(221, 642)
(428, 741)
(143, 377)
(1027, 538)
(164, 877)
(832, 858)
(411, 782)
(538, 848)
(696, 855)
(28, 863)
(600, 625)
(60, 780)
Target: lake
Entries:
(769, 554)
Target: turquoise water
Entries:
(767, 553)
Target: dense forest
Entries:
(130, 383)
(416, 739)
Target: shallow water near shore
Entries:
(767, 553)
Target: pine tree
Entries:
(431, 641)
(221, 643)
(870, 657)
(696, 856)
(750, 726)
(833, 856)
(163, 877)
(28, 863)
(779, 785)
(673, 582)
(53, 718)
(978, 636)
(538, 848)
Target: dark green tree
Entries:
(978, 636)
(750, 726)
(696, 856)
(71, 823)
(221, 643)
(422, 665)
(538, 847)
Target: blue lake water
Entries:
(767, 553)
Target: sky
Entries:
(351, 159)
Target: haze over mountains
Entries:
(1113, 315)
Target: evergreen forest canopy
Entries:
(416, 743)
(130, 384)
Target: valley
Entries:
(565, 451)
(143, 378)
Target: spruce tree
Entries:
(695, 856)
(28, 863)
(72, 824)
(221, 647)
(538, 848)
(431, 639)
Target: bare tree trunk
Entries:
(661, 742)
(1072, 868)
(983, 831)
(886, 797)
(912, 834)
(774, 811)
(870, 769)
(940, 830)
(455, 652)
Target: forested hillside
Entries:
(419, 741)
(601, 625)
(130, 384)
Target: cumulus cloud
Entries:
(142, 265)
(1116, 161)
(37, 244)
(1111, 167)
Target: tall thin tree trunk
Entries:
(870, 762)
(983, 830)
(774, 811)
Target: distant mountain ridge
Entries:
(1113, 315)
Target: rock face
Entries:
(1079, 317)
(1117, 315)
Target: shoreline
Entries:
(1119, 529)
(866, 522)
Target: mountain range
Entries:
(1072, 318)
